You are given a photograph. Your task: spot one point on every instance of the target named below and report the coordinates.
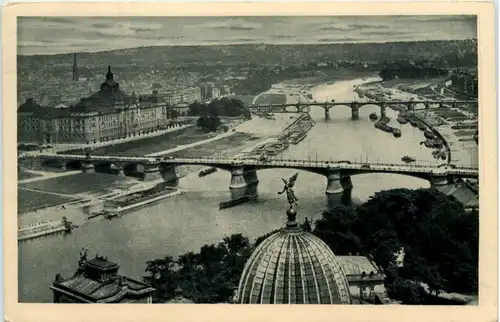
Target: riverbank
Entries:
(432, 128)
(462, 147)
(171, 128)
(160, 229)
(39, 195)
(447, 125)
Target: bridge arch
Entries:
(73, 165)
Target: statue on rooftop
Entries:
(290, 194)
(83, 256)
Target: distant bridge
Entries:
(244, 171)
(356, 105)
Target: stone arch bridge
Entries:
(244, 171)
(355, 106)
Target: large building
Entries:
(465, 81)
(186, 95)
(104, 115)
(210, 91)
(293, 266)
(97, 281)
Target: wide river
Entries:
(184, 223)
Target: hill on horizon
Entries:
(268, 54)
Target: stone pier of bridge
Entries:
(354, 112)
(159, 171)
(243, 182)
(326, 107)
(382, 111)
(88, 167)
(438, 180)
(337, 183)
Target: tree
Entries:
(439, 239)
(162, 276)
(336, 229)
(209, 276)
(438, 236)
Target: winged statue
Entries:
(288, 188)
(83, 256)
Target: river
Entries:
(186, 222)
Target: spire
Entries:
(109, 75)
(75, 68)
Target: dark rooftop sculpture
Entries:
(292, 266)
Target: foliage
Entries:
(410, 71)
(209, 276)
(220, 107)
(209, 113)
(439, 238)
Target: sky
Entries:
(50, 35)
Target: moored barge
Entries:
(402, 120)
(429, 135)
(207, 171)
(131, 201)
(44, 229)
(236, 202)
(421, 126)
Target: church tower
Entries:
(75, 68)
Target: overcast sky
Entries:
(49, 35)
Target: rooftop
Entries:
(91, 290)
(293, 266)
(97, 281)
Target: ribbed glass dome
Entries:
(293, 266)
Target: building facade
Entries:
(185, 95)
(105, 115)
(97, 281)
(466, 82)
(210, 91)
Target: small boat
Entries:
(437, 144)
(438, 154)
(93, 215)
(109, 215)
(387, 128)
(429, 135)
(207, 171)
(428, 143)
(396, 132)
(421, 127)
(407, 159)
(235, 202)
(413, 122)
(402, 120)
(373, 116)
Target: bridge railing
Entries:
(367, 102)
(290, 162)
